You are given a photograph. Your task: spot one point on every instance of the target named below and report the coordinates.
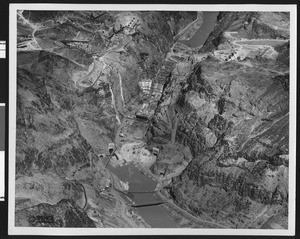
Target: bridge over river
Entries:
(141, 194)
(143, 189)
(147, 204)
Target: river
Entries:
(141, 187)
(209, 22)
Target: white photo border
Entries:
(12, 230)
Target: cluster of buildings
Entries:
(246, 49)
(229, 55)
(246, 52)
(83, 45)
(151, 85)
(151, 89)
(106, 186)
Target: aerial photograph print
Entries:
(151, 119)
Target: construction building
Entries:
(111, 147)
(155, 151)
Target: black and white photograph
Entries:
(127, 119)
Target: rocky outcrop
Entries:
(251, 25)
(78, 74)
(234, 118)
(63, 214)
(220, 120)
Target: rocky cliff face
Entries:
(64, 214)
(78, 74)
(220, 114)
(232, 113)
(249, 25)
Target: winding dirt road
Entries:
(242, 47)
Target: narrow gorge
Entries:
(207, 120)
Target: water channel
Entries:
(141, 184)
(141, 187)
(209, 22)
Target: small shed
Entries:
(108, 183)
(111, 147)
(155, 151)
(141, 116)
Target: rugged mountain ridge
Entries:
(219, 114)
(233, 116)
(250, 25)
(78, 73)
